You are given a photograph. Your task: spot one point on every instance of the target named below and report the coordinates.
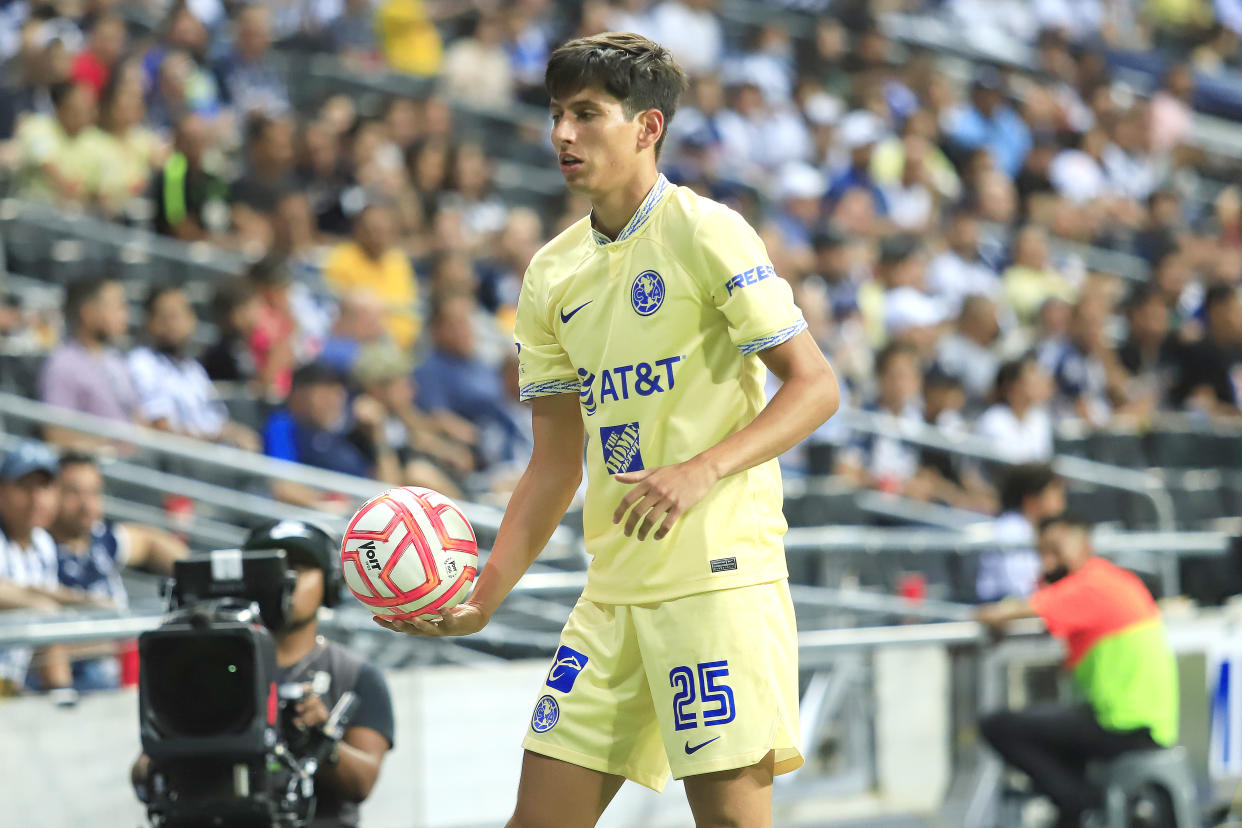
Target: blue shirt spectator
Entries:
(453, 378)
(248, 80)
(991, 124)
(311, 428)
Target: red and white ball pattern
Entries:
(409, 552)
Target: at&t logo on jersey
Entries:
(566, 666)
(621, 448)
(647, 293)
(620, 383)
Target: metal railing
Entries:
(1136, 481)
(229, 461)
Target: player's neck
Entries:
(613, 210)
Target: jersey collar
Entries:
(639, 219)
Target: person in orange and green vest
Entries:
(1119, 655)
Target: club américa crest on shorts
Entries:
(547, 714)
(647, 293)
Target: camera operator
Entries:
(321, 671)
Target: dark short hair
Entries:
(1218, 295)
(1023, 481)
(316, 373)
(78, 458)
(231, 293)
(157, 292)
(269, 271)
(1142, 294)
(1010, 372)
(893, 350)
(638, 72)
(81, 292)
(1074, 520)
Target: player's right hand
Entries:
(463, 619)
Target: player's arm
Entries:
(536, 507)
(808, 396)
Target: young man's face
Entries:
(597, 145)
(81, 498)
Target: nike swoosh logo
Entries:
(690, 750)
(565, 317)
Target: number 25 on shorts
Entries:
(711, 691)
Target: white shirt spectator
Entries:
(1079, 18)
(1010, 572)
(1028, 440)
(910, 208)
(1077, 176)
(1133, 176)
(953, 278)
(694, 36)
(907, 307)
(177, 391)
(30, 566)
(974, 364)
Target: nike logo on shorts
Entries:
(690, 750)
(565, 317)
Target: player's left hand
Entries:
(662, 495)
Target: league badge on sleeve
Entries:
(547, 714)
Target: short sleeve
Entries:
(1059, 606)
(544, 368)
(742, 283)
(374, 704)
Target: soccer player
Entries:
(645, 330)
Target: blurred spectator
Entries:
(92, 551)
(972, 352)
(235, 310)
(1088, 374)
(58, 155)
(428, 457)
(1029, 494)
(372, 262)
(508, 442)
(105, 44)
(182, 87)
(275, 341)
(268, 174)
(249, 80)
(359, 323)
(28, 578)
(1119, 653)
(353, 33)
(316, 427)
(882, 462)
(800, 188)
(1148, 352)
(174, 391)
(1032, 280)
(1209, 371)
(944, 476)
(1171, 115)
(477, 68)
(129, 151)
(691, 31)
(86, 373)
(960, 270)
(1018, 422)
(190, 200)
(910, 314)
(409, 37)
(990, 123)
(858, 134)
(453, 383)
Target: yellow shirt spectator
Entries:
(409, 38)
(372, 263)
(58, 155)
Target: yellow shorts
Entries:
(704, 683)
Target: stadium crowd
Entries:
(932, 219)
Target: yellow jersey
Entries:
(391, 279)
(657, 333)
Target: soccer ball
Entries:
(409, 552)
